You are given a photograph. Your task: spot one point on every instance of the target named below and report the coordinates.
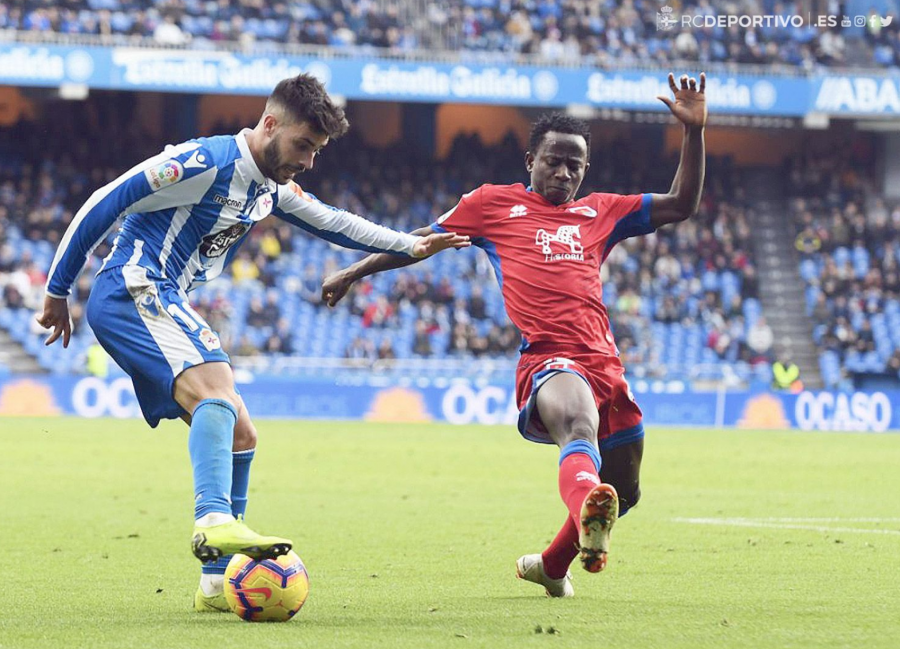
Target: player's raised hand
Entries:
(434, 243)
(689, 106)
(56, 316)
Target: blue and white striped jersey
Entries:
(189, 209)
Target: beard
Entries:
(271, 159)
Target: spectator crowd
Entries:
(848, 240)
(599, 33)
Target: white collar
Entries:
(244, 148)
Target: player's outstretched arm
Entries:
(336, 285)
(683, 198)
(352, 231)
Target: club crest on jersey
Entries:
(517, 210)
(215, 245)
(168, 173)
(583, 210)
(565, 238)
(210, 340)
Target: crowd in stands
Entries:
(683, 298)
(594, 32)
(848, 240)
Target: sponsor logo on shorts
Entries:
(168, 173)
(210, 340)
(228, 202)
(558, 364)
(215, 245)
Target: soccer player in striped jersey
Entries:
(186, 212)
(546, 247)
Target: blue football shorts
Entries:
(148, 327)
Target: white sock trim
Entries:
(212, 584)
(213, 518)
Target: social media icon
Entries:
(859, 21)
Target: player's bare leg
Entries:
(568, 410)
(207, 392)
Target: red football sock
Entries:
(577, 476)
(560, 554)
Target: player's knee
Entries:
(245, 436)
(581, 425)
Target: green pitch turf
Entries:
(410, 533)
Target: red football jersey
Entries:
(547, 257)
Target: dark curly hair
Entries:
(304, 98)
(558, 123)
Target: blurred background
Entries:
(778, 305)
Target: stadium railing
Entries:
(424, 56)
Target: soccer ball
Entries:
(272, 590)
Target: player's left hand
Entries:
(689, 106)
(434, 243)
(56, 317)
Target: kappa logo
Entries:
(583, 210)
(586, 476)
(566, 235)
(196, 161)
(517, 210)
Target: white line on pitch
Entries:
(750, 522)
(776, 519)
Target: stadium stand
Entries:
(604, 33)
(675, 314)
(848, 241)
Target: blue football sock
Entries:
(240, 480)
(209, 443)
(216, 567)
(581, 446)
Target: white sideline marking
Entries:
(796, 524)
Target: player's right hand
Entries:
(434, 243)
(56, 316)
(335, 286)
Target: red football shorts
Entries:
(620, 417)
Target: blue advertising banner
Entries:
(461, 402)
(381, 79)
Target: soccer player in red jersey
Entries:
(546, 247)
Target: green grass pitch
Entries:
(410, 533)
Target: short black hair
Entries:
(558, 123)
(304, 98)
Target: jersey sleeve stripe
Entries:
(632, 224)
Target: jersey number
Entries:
(187, 315)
